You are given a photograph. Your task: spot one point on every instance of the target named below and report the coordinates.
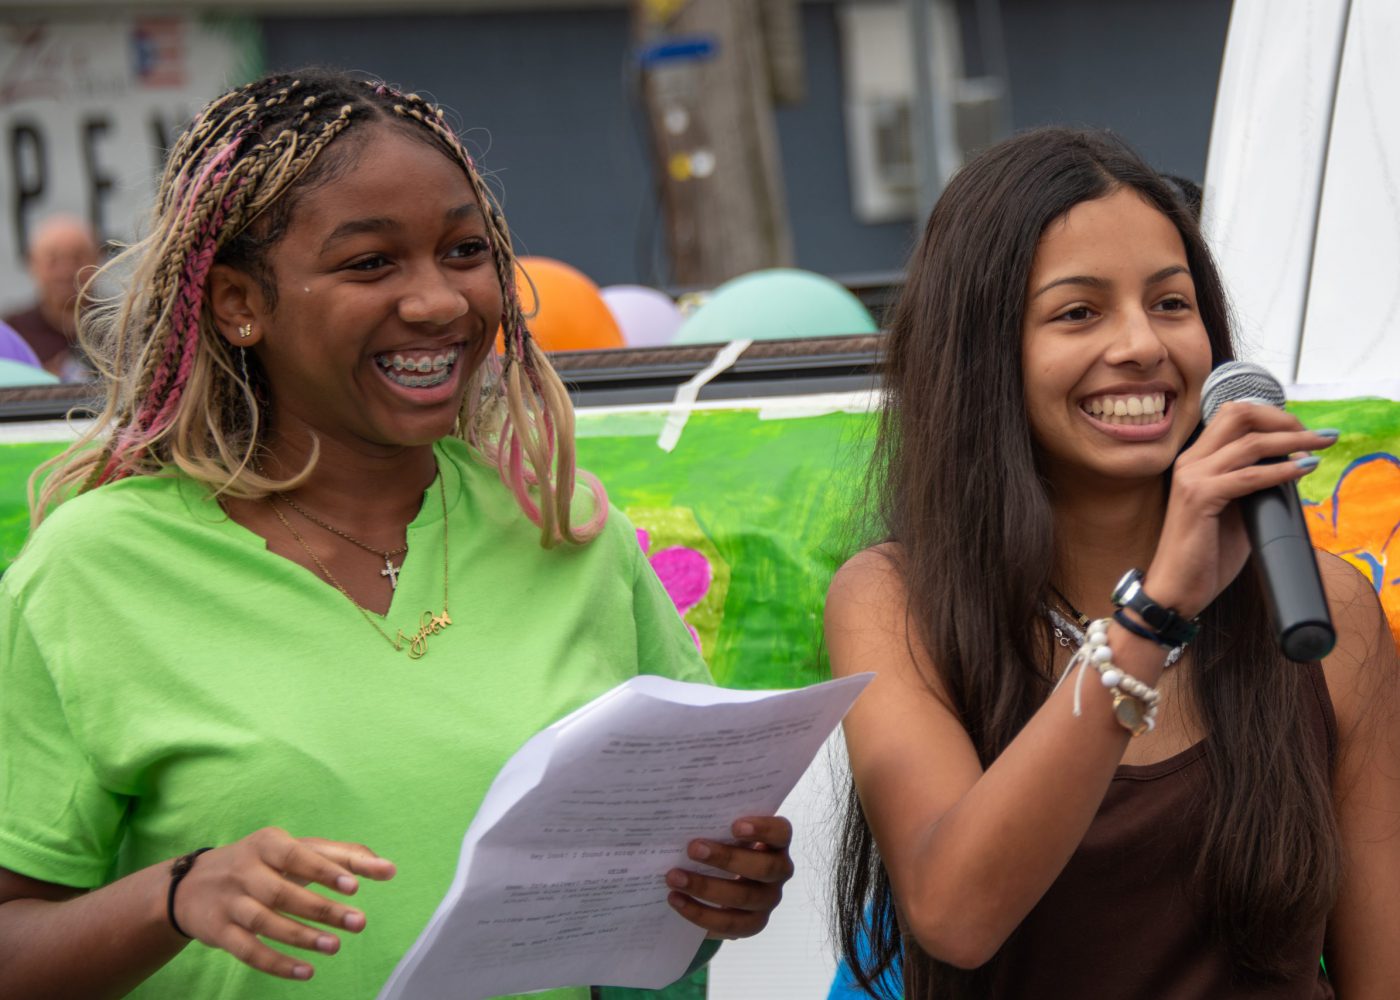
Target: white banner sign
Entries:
(87, 109)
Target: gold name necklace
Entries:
(428, 623)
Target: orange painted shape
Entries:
(1360, 522)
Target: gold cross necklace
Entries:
(389, 570)
(428, 623)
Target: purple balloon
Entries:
(13, 347)
(647, 317)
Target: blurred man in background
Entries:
(61, 257)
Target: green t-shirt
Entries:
(167, 683)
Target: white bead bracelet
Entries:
(1134, 703)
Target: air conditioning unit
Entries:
(882, 145)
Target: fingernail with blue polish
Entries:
(1329, 432)
(1308, 464)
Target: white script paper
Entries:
(561, 879)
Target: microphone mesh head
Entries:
(1236, 380)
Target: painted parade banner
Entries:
(747, 518)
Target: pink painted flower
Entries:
(685, 573)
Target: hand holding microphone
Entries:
(1273, 518)
(1243, 455)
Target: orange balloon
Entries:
(572, 315)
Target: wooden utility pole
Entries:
(708, 82)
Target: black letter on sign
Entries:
(165, 130)
(29, 165)
(100, 183)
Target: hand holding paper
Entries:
(562, 875)
(737, 903)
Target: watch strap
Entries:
(1138, 630)
(1170, 628)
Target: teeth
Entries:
(420, 371)
(1132, 411)
(418, 381)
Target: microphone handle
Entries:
(1287, 568)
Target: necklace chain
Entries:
(428, 623)
(1067, 633)
(1079, 616)
(386, 553)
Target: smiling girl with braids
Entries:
(320, 568)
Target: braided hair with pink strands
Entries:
(182, 400)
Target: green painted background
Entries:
(1368, 426)
(771, 503)
(776, 498)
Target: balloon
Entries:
(648, 318)
(13, 373)
(572, 315)
(14, 347)
(774, 304)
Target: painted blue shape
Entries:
(685, 48)
(1375, 456)
(1377, 570)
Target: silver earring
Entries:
(243, 367)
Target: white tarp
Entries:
(1302, 192)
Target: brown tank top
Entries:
(1120, 923)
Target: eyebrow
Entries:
(356, 227)
(463, 211)
(1093, 282)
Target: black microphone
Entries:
(1273, 518)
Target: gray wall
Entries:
(1145, 68)
(542, 99)
(545, 97)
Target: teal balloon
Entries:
(14, 373)
(776, 305)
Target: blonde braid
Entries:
(174, 398)
(526, 424)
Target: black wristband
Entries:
(1139, 630)
(1167, 626)
(179, 868)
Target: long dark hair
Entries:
(977, 551)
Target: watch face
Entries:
(1127, 587)
(1131, 713)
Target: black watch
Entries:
(1171, 628)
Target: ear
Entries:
(237, 303)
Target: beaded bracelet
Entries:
(1134, 703)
